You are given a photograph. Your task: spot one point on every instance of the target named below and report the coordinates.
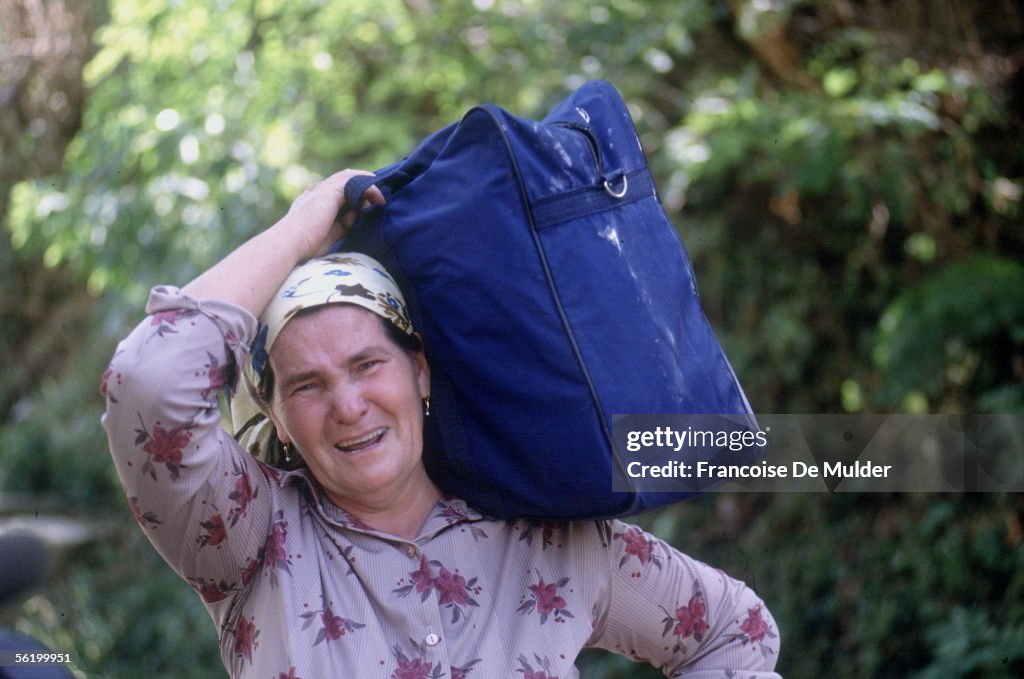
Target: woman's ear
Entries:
(282, 433)
(422, 372)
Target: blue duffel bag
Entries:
(552, 293)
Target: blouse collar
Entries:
(448, 511)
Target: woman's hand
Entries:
(315, 212)
(251, 275)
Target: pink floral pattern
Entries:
(250, 570)
(164, 446)
(333, 627)
(421, 581)
(415, 667)
(640, 545)
(755, 626)
(217, 374)
(454, 511)
(105, 383)
(755, 629)
(454, 592)
(273, 554)
(241, 496)
(210, 590)
(269, 473)
(164, 321)
(214, 532)
(354, 521)
(145, 519)
(543, 671)
(543, 597)
(345, 552)
(463, 670)
(546, 530)
(246, 636)
(688, 621)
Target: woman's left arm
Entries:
(681, 615)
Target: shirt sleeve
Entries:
(204, 503)
(680, 615)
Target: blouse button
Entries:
(410, 551)
(432, 639)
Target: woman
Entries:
(355, 564)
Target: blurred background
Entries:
(847, 175)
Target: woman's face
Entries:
(350, 400)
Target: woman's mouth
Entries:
(361, 443)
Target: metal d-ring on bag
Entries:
(552, 293)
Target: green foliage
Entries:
(847, 178)
(969, 645)
(872, 585)
(54, 444)
(206, 119)
(953, 330)
(122, 613)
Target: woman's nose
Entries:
(348, 403)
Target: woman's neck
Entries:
(403, 517)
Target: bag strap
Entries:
(609, 194)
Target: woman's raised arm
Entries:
(249, 276)
(207, 505)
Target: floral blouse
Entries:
(299, 588)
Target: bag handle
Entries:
(391, 178)
(355, 188)
(388, 179)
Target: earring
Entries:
(426, 406)
(287, 452)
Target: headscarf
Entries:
(339, 278)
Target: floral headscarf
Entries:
(340, 278)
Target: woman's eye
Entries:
(367, 365)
